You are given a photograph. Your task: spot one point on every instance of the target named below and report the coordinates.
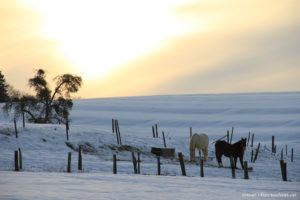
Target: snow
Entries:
(122, 186)
(45, 151)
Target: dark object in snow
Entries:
(165, 152)
(230, 150)
(158, 165)
(273, 144)
(69, 162)
(165, 145)
(16, 161)
(20, 159)
(256, 153)
(79, 158)
(246, 176)
(182, 166)
(283, 170)
(201, 168)
(134, 162)
(115, 164)
(117, 129)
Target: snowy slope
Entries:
(44, 146)
(263, 113)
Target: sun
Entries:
(98, 36)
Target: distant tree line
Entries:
(46, 106)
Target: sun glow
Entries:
(98, 36)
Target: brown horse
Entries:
(230, 150)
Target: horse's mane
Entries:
(238, 143)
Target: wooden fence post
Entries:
(116, 128)
(156, 130)
(283, 170)
(232, 167)
(119, 133)
(231, 135)
(67, 129)
(181, 163)
(139, 164)
(115, 164)
(20, 159)
(79, 158)
(273, 144)
(191, 132)
(248, 139)
(163, 134)
(201, 168)
(292, 155)
(113, 125)
(153, 131)
(16, 161)
(252, 140)
(134, 163)
(158, 165)
(69, 162)
(228, 136)
(16, 130)
(246, 170)
(252, 156)
(256, 153)
(23, 117)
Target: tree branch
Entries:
(27, 111)
(56, 90)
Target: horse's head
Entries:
(243, 142)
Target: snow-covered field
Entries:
(45, 151)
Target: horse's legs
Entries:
(241, 161)
(199, 153)
(219, 158)
(192, 154)
(205, 152)
(235, 160)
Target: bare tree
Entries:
(47, 106)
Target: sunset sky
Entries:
(135, 47)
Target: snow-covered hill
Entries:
(45, 149)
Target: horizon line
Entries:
(190, 94)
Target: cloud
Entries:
(247, 47)
(263, 58)
(235, 46)
(22, 46)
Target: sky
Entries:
(157, 47)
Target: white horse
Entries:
(199, 141)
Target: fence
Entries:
(137, 161)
